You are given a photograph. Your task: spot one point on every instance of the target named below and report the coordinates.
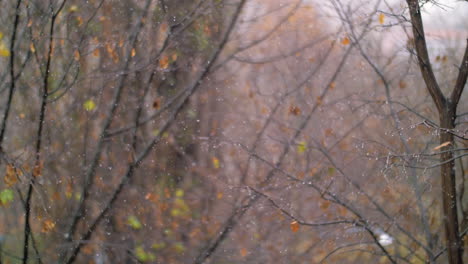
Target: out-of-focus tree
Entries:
(218, 131)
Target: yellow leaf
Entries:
(89, 105)
(442, 145)
(4, 52)
(32, 48)
(294, 226)
(345, 41)
(301, 147)
(133, 52)
(215, 162)
(73, 8)
(381, 18)
(1, 35)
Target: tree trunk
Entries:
(449, 195)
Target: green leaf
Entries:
(6, 196)
(144, 256)
(134, 223)
(179, 248)
(331, 170)
(158, 246)
(89, 105)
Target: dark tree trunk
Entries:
(447, 109)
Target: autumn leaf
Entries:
(294, 110)
(324, 205)
(10, 175)
(76, 55)
(301, 147)
(215, 162)
(134, 223)
(37, 170)
(47, 226)
(144, 256)
(6, 196)
(157, 103)
(319, 100)
(4, 51)
(294, 226)
(164, 62)
(244, 252)
(32, 48)
(133, 53)
(381, 19)
(402, 84)
(332, 85)
(345, 41)
(442, 145)
(179, 193)
(89, 105)
(79, 20)
(96, 52)
(73, 8)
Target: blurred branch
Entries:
(144, 153)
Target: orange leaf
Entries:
(133, 52)
(244, 252)
(294, 226)
(164, 62)
(48, 225)
(345, 41)
(76, 54)
(381, 19)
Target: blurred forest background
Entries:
(232, 131)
